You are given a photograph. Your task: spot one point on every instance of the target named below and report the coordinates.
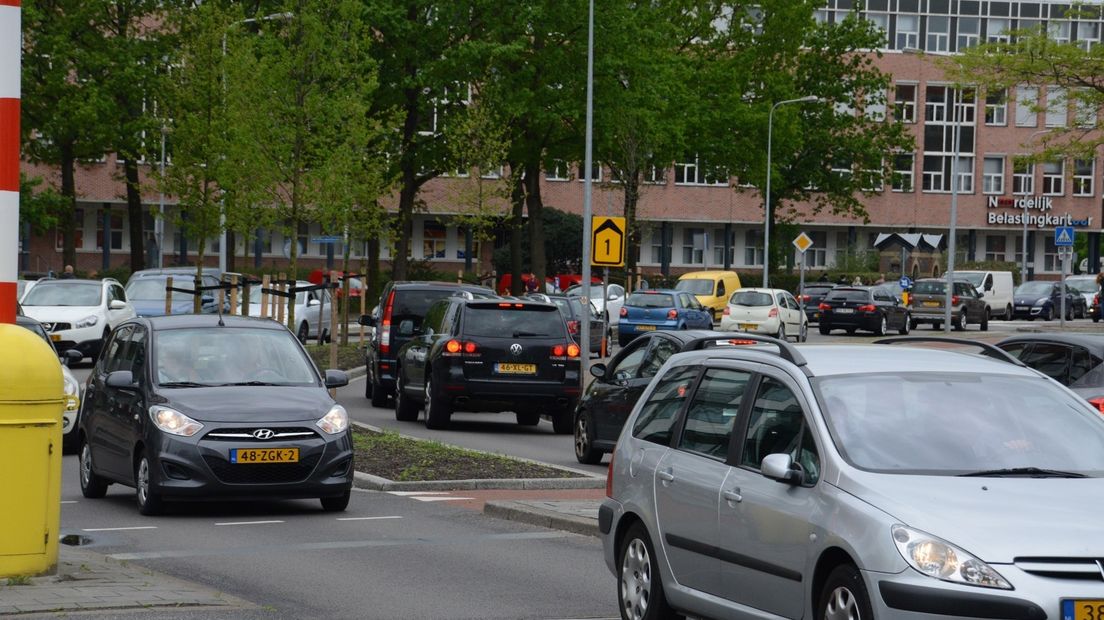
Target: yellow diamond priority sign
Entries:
(803, 242)
(607, 248)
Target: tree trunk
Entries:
(134, 215)
(399, 262)
(346, 299)
(67, 219)
(632, 234)
(517, 231)
(231, 245)
(372, 282)
(535, 207)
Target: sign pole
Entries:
(10, 54)
(1065, 270)
(801, 289)
(1063, 240)
(588, 156)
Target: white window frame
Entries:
(753, 248)
(1001, 35)
(1088, 35)
(905, 109)
(907, 39)
(697, 255)
(1023, 178)
(938, 41)
(996, 113)
(969, 39)
(992, 253)
(875, 110)
(906, 184)
(557, 170)
(992, 182)
(1057, 107)
(596, 172)
(1054, 180)
(1058, 30)
(1084, 113)
(1027, 100)
(1082, 180)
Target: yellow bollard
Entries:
(31, 403)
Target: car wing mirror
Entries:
(117, 305)
(598, 371)
(406, 327)
(121, 379)
(336, 378)
(367, 320)
(70, 356)
(780, 467)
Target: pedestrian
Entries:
(857, 281)
(642, 284)
(68, 273)
(881, 279)
(842, 279)
(823, 277)
(531, 284)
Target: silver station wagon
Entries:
(856, 482)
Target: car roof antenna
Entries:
(220, 323)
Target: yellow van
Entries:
(712, 288)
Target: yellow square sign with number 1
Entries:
(607, 248)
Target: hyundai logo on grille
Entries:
(515, 349)
(263, 433)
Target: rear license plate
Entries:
(931, 304)
(516, 369)
(749, 325)
(264, 455)
(645, 328)
(1082, 609)
(55, 337)
(844, 311)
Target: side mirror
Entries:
(117, 305)
(612, 296)
(71, 356)
(406, 328)
(598, 371)
(122, 379)
(780, 467)
(367, 320)
(312, 303)
(980, 295)
(336, 378)
(989, 286)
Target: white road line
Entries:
(413, 493)
(69, 501)
(366, 518)
(440, 499)
(248, 522)
(119, 529)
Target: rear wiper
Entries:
(527, 334)
(1024, 472)
(184, 384)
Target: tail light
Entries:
(573, 350)
(672, 314)
(868, 308)
(823, 307)
(624, 311)
(1097, 402)
(806, 297)
(573, 328)
(1096, 299)
(727, 311)
(559, 350)
(564, 351)
(453, 346)
(470, 347)
(773, 313)
(609, 474)
(385, 330)
(954, 300)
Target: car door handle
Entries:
(667, 477)
(733, 495)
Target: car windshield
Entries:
(153, 289)
(510, 321)
(59, 293)
(229, 355)
(1082, 285)
(848, 294)
(751, 298)
(929, 287)
(953, 423)
(411, 305)
(973, 278)
(651, 300)
(695, 286)
(1035, 288)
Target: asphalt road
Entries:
(387, 556)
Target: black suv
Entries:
(489, 355)
(396, 319)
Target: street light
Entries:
(766, 198)
(1023, 257)
(159, 225)
(286, 16)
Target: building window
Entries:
(718, 247)
(492, 172)
(694, 172)
(843, 246)
(1083, 177)
(997, 31)
(939, 32)
(904, 103)
(968, 32)
(1053, 177)
(1088, 35)
(1059, 31)
(1027, 100)
(1084, 109)
(477, 250)
(881, 22)
(753, 247)
(78, 232)
(433, 239)
(1023, 178)
(817, 254)
(116, 231)
(996, 108)
(908, 32)
(993, 180)
(304, 238)
(557, 170)
(903, 174)
(1056, 106)
(595, 172)
(658, 247)
(941, 143)
(1019, 249)
(935, 104)
(655, 175)
(693, 246)
(875, 106)
(995, 248)
(1051, 262)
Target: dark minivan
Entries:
(396, 319)
(489, 355)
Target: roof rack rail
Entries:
(785, 350)
(987, 349)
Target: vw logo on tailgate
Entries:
(515, 349)
(263, 433)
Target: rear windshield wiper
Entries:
(520, 334)
(183, 384)
(1023, 472)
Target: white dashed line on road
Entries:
(366, 518)
(69, 501)
(412, 493)
(440, 499)
(119, 529)
(248, 522)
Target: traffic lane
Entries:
(387, 556)
(490, 432)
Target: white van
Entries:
(997, 288)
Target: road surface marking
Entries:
(365, 518)
(413, 493)
(440, 499)
(248, 522)
(119, 529)
(68, 501)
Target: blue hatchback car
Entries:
(647, 311)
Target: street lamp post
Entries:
(949, 293)
(767, 194)
(159, 225)
(588, 160)
(1023, 256)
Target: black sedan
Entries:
(1072, 359)
(617, 385)
(202, 407)
(811, 296)
(1043, 299)
(862, 307)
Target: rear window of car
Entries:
(928, 288)
(513, 320)
(751, 298)
(413, 304)
(848, 294)
(651, 300)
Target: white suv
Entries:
(78, 314)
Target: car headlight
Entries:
(87, 321)
(940, 559)
(173, 422)
(1042, 300)
(72, 392)
(334, 422)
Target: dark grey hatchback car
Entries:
(201, 407)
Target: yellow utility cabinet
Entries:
(31, 402)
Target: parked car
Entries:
(148, 294)
(997, 288)
(1042, 299)
(765, 311)
(22, 286)
(712, 288)
(312, 310)
(610, 397)
(1072, 359)
(928, 299)
(185, 272)
(811, 296)
(199, 407)
(70, 384)
(488, 355)
(615, 299)
(1094, 309)
(854, 482)
(862, 307)
(78, 314)
(647, 311)
(401, 302)
(573, 312)
(1086, 287)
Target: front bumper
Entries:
(87, 340)
(1021, 311)
(200, 467)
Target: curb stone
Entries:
(541, 514)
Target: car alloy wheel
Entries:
(149, 502)
(584, 444)
(841, 605)
(92, 486)
(636, 580)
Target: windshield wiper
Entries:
(184, 384)
(1023, 472)
(520, 334)
(250, 383)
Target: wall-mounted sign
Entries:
(1034, 208)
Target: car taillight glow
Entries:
(573, 350)
(573, 327)
(1098, 403)
(823, 307)
(624, 312)
(773, 313)
(453, 346)
(470, 347)
(868, 308)
(559, 350)
(806, 298)
(672, 314)
(954, 300)
(385, 330)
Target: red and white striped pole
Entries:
(9, 156)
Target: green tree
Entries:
(38, 207)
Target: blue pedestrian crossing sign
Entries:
(1063, 236)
